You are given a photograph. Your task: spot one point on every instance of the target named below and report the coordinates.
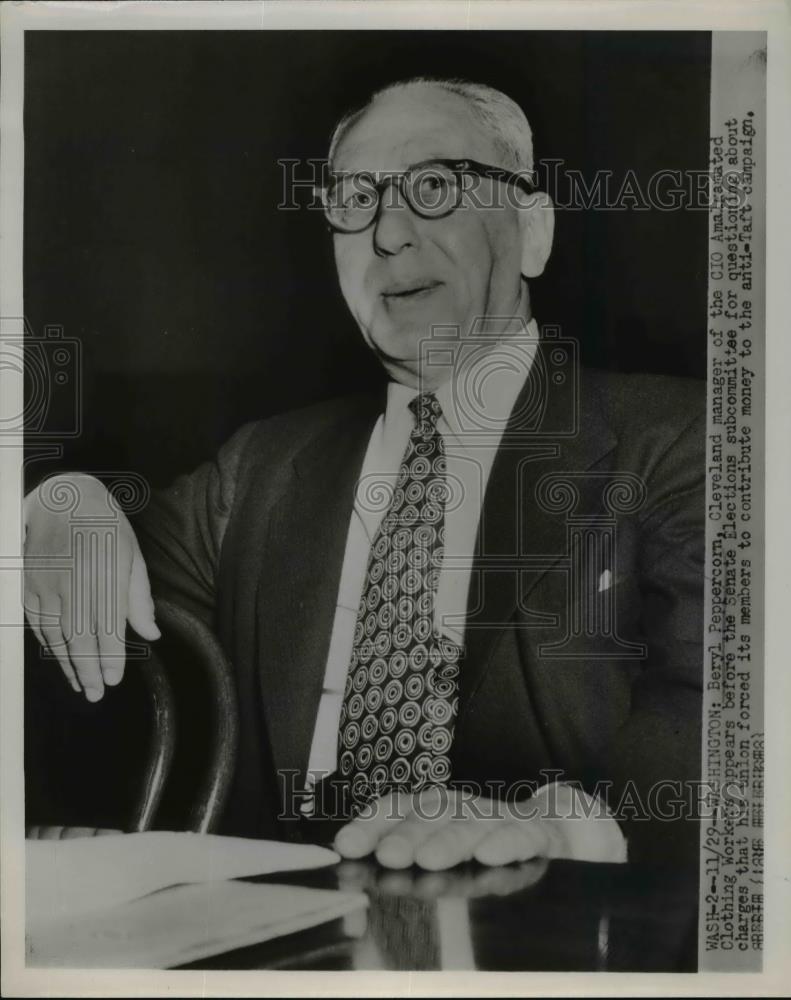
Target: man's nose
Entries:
(395, 228)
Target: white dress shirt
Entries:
(476, 402)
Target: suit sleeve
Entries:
(656, 754)
(181, 529)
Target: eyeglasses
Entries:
(432, 189)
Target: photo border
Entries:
(533, 15)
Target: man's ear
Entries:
(537, 228)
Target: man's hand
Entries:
(437, 829)
(84, 580)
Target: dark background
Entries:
(152, 232)
(152, 236)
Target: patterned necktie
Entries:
(401, 697)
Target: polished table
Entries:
(537, 916)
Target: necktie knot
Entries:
(427, 411)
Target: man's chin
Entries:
(404, 368)
(399, 346)
(407, 338)
(407, 358)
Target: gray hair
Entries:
(497, 113)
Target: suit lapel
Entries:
(519, 538)
(298, 586)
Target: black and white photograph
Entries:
(387, 438)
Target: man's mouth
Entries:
(405, 291)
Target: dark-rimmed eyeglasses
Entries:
(432, 189)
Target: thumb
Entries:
(141, 603)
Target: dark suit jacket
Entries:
(254, 542)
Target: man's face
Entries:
(405, 274)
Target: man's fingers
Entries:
(81, 611)
(361, 836)
(112, 650)
(514, 840)
(34, 617)
(83, 650)
(51, 627)
(84, 654)
(111, 625)
(454, 843)
(141, 603)
(33, 614)
(398, 847)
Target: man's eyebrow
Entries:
(422, 162)
(426, 161)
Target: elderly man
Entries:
(435, 599)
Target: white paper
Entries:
(184, 924)
(67, 878)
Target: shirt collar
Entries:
(479, 396)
